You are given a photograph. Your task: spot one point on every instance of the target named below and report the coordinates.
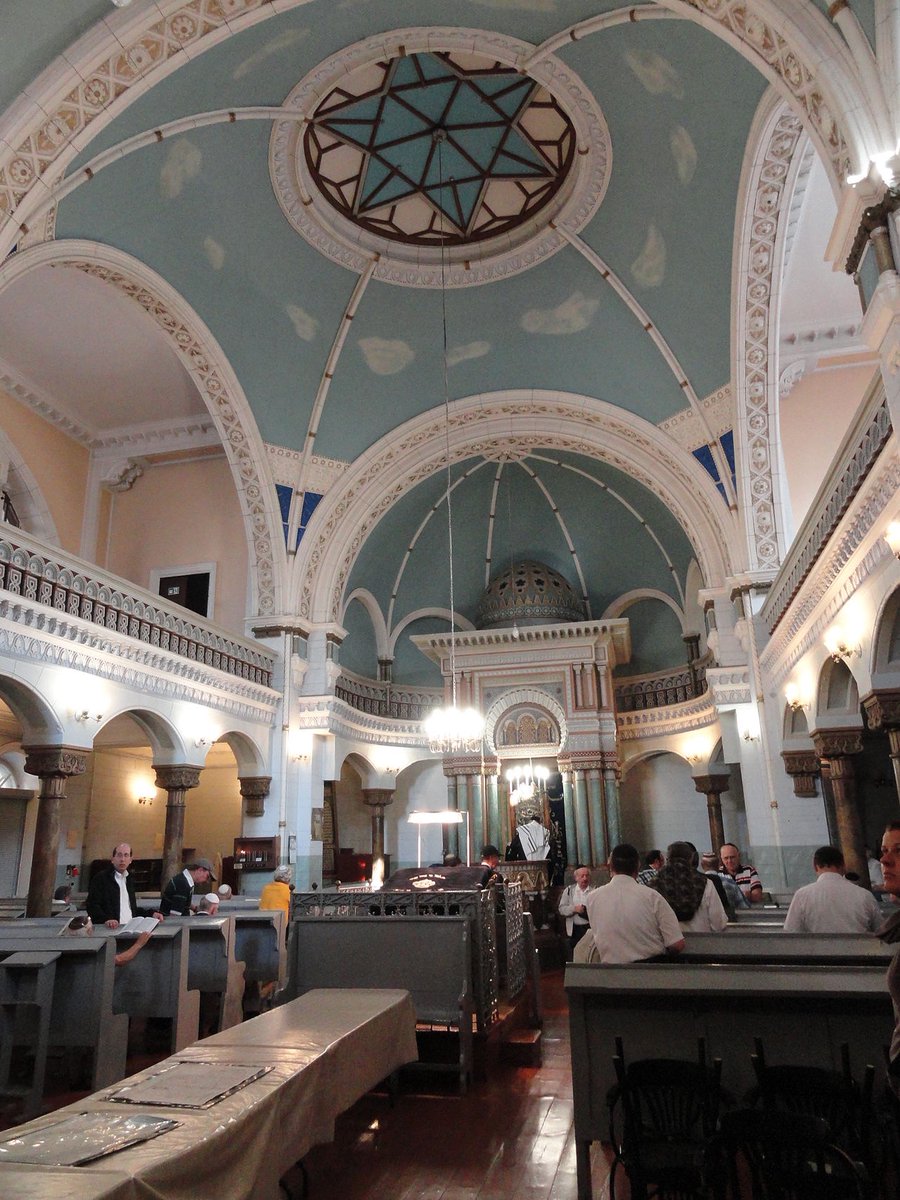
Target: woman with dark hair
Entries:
(689, 892)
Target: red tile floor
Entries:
(510, 1137)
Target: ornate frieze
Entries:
(177, 778)
(882, 708)
(675, 718)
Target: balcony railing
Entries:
(660, 691)
(385, 699)
(51, 578)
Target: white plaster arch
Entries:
(525, 695)
(443, 614)
(166, 742)
(249, 757)
(886, 621)
(620, 605)
(520, 421)
(383, 646)
(844, 715)
(767, 179)
(218, 385)
(41, 726)
(126, 53)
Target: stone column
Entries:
(571, 825)
(254, 790)
(838, 746)
(712, 787)
(613, 819)
(597, 819)
(581, 819)
(377, 799)
(53, 765)
(882, 709)
(803, 768)
(449, 833)
(493, 834)
(176, 780)
(477, 817)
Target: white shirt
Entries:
(710, 916)
(573, 897)
(630, 922)
(832, 905)
(534, 840)
(125, 913)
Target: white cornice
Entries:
(21, 388)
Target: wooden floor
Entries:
(510, 1136)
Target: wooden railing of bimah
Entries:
(75, 589)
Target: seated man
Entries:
(178, 893)
(832, 904)
(224, 891)
(111, 898)
(490, 860)
(744, 876)
(654, 861)
(208, 906)
(629, 922)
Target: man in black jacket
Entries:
(111, 898)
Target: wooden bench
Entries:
(26, 1007)
(802, 1012)
(773, 945)
(84, 1016)
(259, 942)
(427, 956)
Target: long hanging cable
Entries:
(440, 137)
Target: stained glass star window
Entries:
(431, 149)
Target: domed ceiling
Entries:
(375, 214)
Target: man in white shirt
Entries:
(832, 904)
(572, 905)
(630, 922)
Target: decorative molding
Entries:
(48, 762)
(790, 377)
(254, 791)
(516, 250)
(837, 743)
(803, 768)
(688, 431)
(177, 777)
(120, 475)
(327, 714)
(660, 722)
(525, 696)
(522, 421)
(761, 233)
(286, 466)
(729, 685)
(45, 405)
(882, 708)
(158, 437)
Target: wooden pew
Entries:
(26, 1006)
(802, 1012)
(212, 965)
(427, 956)
(742, 945)
(259, 942)
(84, 1015)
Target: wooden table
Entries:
(325, 1050)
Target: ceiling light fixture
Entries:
(450, 730)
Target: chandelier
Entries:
(450, 730)
(525, 783)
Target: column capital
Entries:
(803, 767)
(882, 708)
(177, 777)
(837, 743)
(59, 761)
(712, 784)
(377, 797)
(254, 790)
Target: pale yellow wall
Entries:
(815, 417)
(59, 465)
(179, 514)
(212, 811)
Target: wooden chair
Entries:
(662, 1113)
(780, 1155)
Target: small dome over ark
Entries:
(528, 593)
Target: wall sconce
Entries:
(84, 715)
(694, 758)
(838, 646)
(201, 742)
(301, 745)
(750, 737)
(892, 537)
(792, 696)
(145, 799)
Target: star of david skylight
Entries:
(433, 149)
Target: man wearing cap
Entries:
(179, 891)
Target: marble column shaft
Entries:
(53, 765)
